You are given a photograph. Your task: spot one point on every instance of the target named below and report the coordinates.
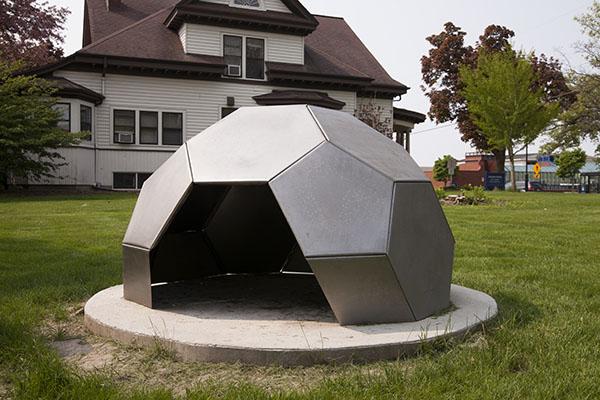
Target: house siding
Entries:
(207, 40)
(387, 107)
(199, 101)
(78, 168)
(270, 5)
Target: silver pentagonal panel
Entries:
(335, 204)
(254, 144)
(161, 195)
(136, 275)
(362, 290)
(421, 248)
(370, 146)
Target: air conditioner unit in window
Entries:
(125, 138)
(234, 70)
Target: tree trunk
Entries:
(500, 156)
(513, 177)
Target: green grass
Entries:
(537, 254)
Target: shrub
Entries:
(474, 195)
(440, 193)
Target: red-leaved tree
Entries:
(440, 69)
(31, 32)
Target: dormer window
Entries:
(244, 57)
(247, 3)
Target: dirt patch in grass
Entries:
(157, 367)
(4, 390)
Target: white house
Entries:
(153, 73)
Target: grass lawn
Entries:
(537, 254)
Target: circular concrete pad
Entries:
(273, 319)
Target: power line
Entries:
(433, 129)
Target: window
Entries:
(232, 55)
(148, 127)
(255, 58)
(246, 3)
(129, 180)
(225, 111)
(124, 126)
(124, 180)
(172, 129)
(64, 117)
(141, 179)
(244, 57)
(85, 120)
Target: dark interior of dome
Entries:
(223, 230)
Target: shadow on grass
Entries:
(516, 310)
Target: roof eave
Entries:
(252, 20)
(107, 62)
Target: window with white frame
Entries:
(64, 116)
(172, 129)
(147, 127)
(85, 120)
(124, 126)
(130, 180)
(244, 56)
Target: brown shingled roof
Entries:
(287, 97)
(336, 38)
(103, 22)
(147, 39)
(333, 53)
(68, 89)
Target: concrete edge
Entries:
(282, 357)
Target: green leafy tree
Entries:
(440, 170)
(582, 121)
(503, 104)
(443, 86)
(29, 135)
(570, 163)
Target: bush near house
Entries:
(29, 135)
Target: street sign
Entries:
(452, 163)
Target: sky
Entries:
(395, 32)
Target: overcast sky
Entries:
(395, 31)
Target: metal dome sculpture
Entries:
(296, 189)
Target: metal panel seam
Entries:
(391, 179)
(294, 163)
(189, 160)
(132, 246)
(318, 123)
(168, 221)
(401, 288)
(390, 249)
(357, 255)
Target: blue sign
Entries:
(495, 180)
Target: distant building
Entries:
(473, 168)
